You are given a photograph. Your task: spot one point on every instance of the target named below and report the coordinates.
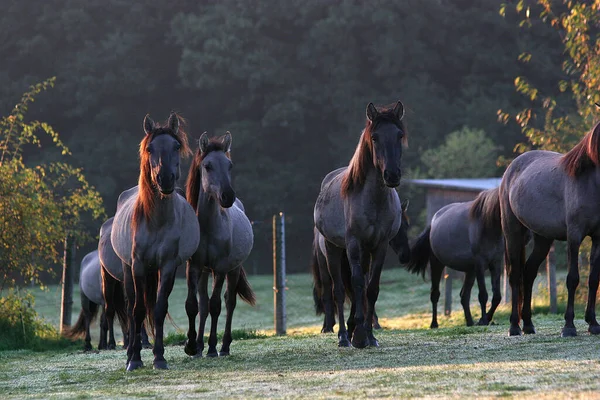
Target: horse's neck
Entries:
(210, 214)
(374, 186)
(164, 209)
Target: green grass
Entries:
(412, 361)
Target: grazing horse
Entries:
(555, 196)
(154, 231)
(90, 284)
(358, 212)
(226, 241)
(113, 291)
(323, 288)
(466, 237)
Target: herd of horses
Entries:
(544, 196)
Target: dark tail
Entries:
(79, 329)
(420, 252)
(120, 306)
(486, 208)
(150, 301)
(317, 283)
(244, 290)
(508, 267)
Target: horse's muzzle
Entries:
(227, 198)
(391, 179)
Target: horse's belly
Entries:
(329, 217)
(451, 245)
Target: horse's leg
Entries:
(327, 297)
(109, 285)
(139, 313)
(480, 267)
(204, 302)
(541, 247)
(437, 268)
(514, 234)
(376, 324)
(334, 263)
(495, 271)
(465, 296)
(590, 308)
(166, 280)
(378, 258)
(215, 311)
(357, 257)
(130, 300)
(191, 308)
(145, 341)
(573, 242)
(87, 313)
(230, 303)
(102, 344)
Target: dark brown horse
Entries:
(555, 196)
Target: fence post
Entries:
(447, 291)
(279, 274)
(551, 272)
(67, 283)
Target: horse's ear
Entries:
(372, 112)
(173, 122)
(203, 142)
(404, 205)
(227, 142)
(148, 124)
(399, 110)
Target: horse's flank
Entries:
(585, 155)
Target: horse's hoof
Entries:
(87, 347)
(223, 353)
(594, 329)
(133, 365)
(470, 322)
(189, 349)
(433, 325)
(568, 332)
(327, 330)
(376, 325)
(483, 322)
(359, 338)
(515, 331)
(344, 343)
(212, 353)
(160, 365)
(373, 342)
(111, 346)
(146, 345)
(528, 329)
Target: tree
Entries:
(39, 204)
(467, 153)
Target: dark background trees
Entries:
(289, 79)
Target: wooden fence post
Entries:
(67, 283)
(279, 278)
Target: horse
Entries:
(556, 196)
(358, 211)
(322, 289)
(154, 231)
(90, 284)
(112, 288)
(466, 237)
(226, 241)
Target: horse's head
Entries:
(160, 152)
(400, 243)
(216, 168)
(387, 135)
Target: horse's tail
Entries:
(486, 208)
(244, 290)
(80, 328)
(315, 268)
(120, 306)
(521, 282)
(150, 300)
(420, 252)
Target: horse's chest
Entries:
(157, 250)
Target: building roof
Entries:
(472, 185)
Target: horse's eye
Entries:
(374, 138)
(207, 167)
(177, 147)
(149, 149)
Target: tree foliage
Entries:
(41, 203)
(558, 115)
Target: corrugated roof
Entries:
(459, 184)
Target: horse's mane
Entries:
(194, 179)
(486, 208)
(585, 154)
(145, 202)
(356, 173)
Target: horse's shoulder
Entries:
(127, 195)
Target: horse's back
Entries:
(90, 280)
(534, 187)
(108, 258)
(449, 237)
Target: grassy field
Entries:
(412, 361)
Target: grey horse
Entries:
(555, 196)
(90, 284)
(154, 231)
(226, 241)
(466, 237)
(359, 212)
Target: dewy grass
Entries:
(412, 361)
